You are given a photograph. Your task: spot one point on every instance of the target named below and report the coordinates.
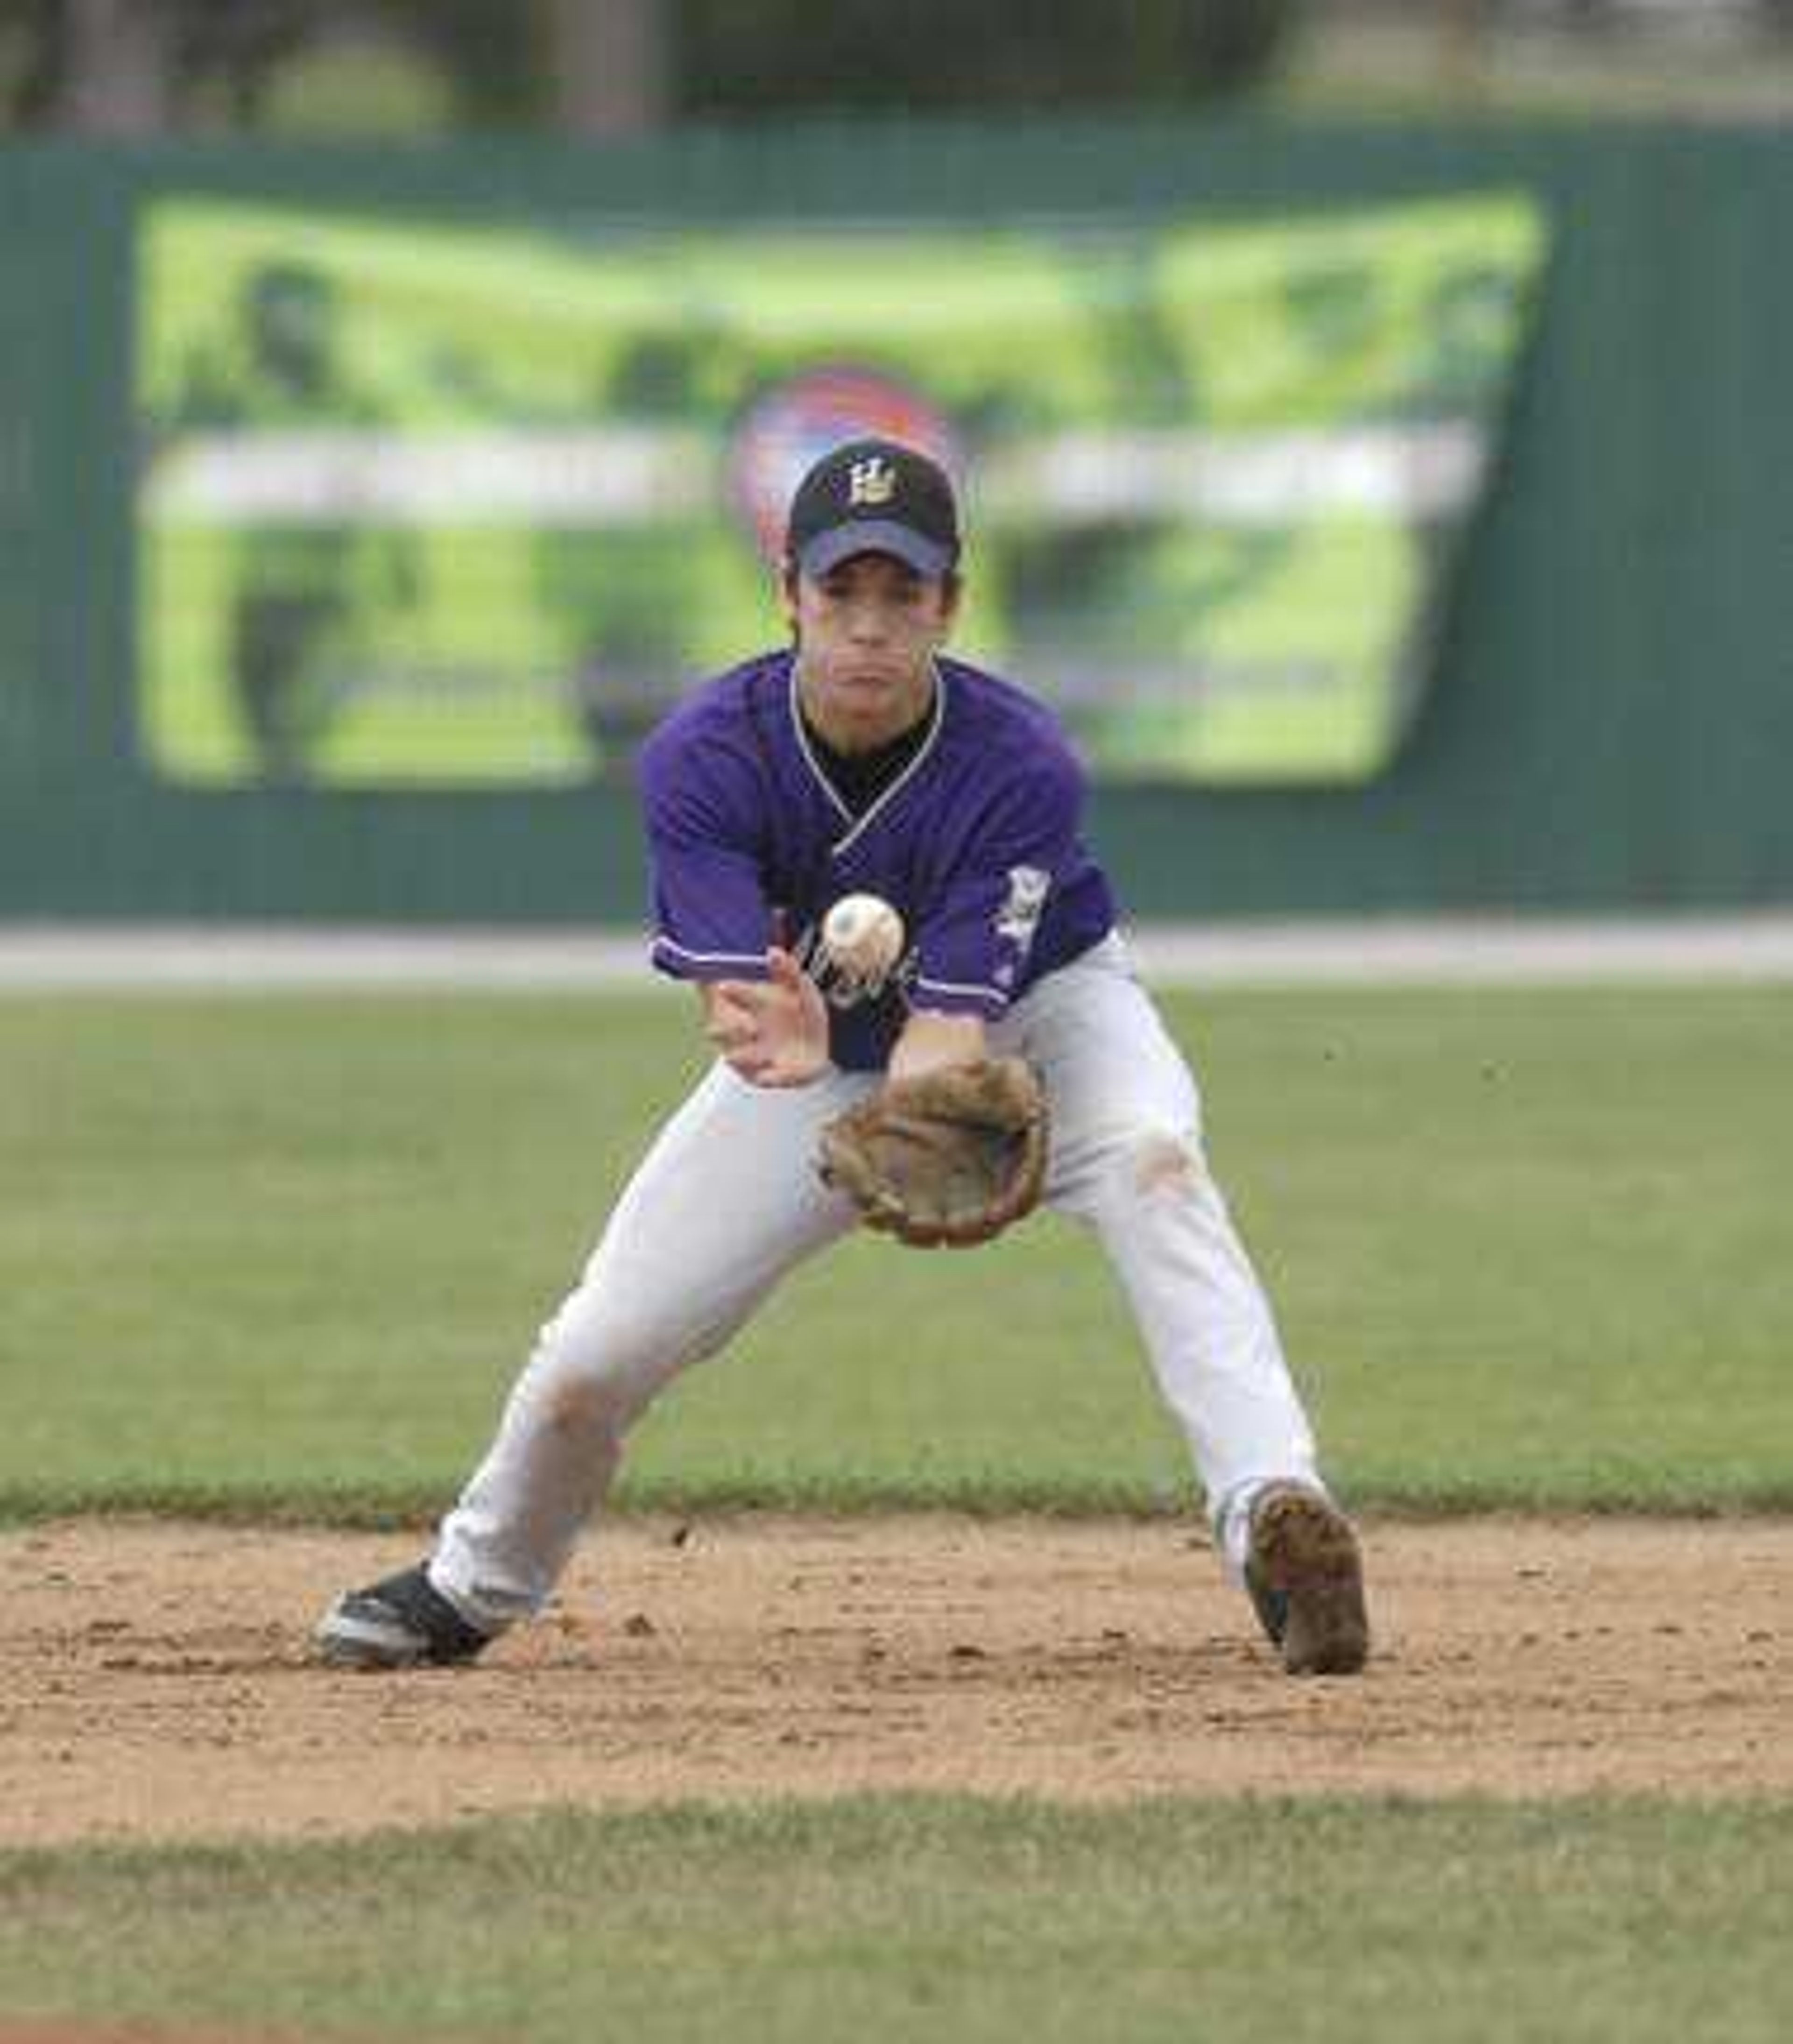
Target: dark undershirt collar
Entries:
(860, 778)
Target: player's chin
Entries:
(864, 697)
(868, 684)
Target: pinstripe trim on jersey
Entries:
(809, 758)
(662, 944)
(957, 987)
(857, 827)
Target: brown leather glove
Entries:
(950, 1156)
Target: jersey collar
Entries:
(857, 826)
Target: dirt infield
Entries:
(156, 1683)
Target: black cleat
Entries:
(1305, 1577)
(404, 1622)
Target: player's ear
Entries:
(952, 588)
(787, 591)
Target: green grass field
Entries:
(925, 1919)
(1528, 1248)
(282, 1255)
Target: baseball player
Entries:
(861, 761)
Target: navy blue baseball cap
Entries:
(874, 496)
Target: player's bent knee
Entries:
(580, 1405)
(593, 1405)
(1152, 1163)
(1128, 1166)
(597, 1372)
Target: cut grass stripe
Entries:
(925, 1918)
(1528, 1248)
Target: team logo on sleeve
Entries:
(1018, 919)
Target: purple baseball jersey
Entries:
(975, 844)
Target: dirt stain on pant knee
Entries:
(1164, 1164)
(575, 1408)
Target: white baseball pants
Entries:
(728, 1200)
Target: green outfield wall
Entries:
(1605, 717)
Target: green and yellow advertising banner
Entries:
(431, 504)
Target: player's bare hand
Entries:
(773, 1031)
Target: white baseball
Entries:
(864, 935)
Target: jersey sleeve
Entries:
(711, 916)
(972, 947)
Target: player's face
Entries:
(867, 632)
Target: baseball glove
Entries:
(949, 1157)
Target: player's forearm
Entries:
(929, 1041)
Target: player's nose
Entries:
(868, 625)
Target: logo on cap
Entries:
(872, 482)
